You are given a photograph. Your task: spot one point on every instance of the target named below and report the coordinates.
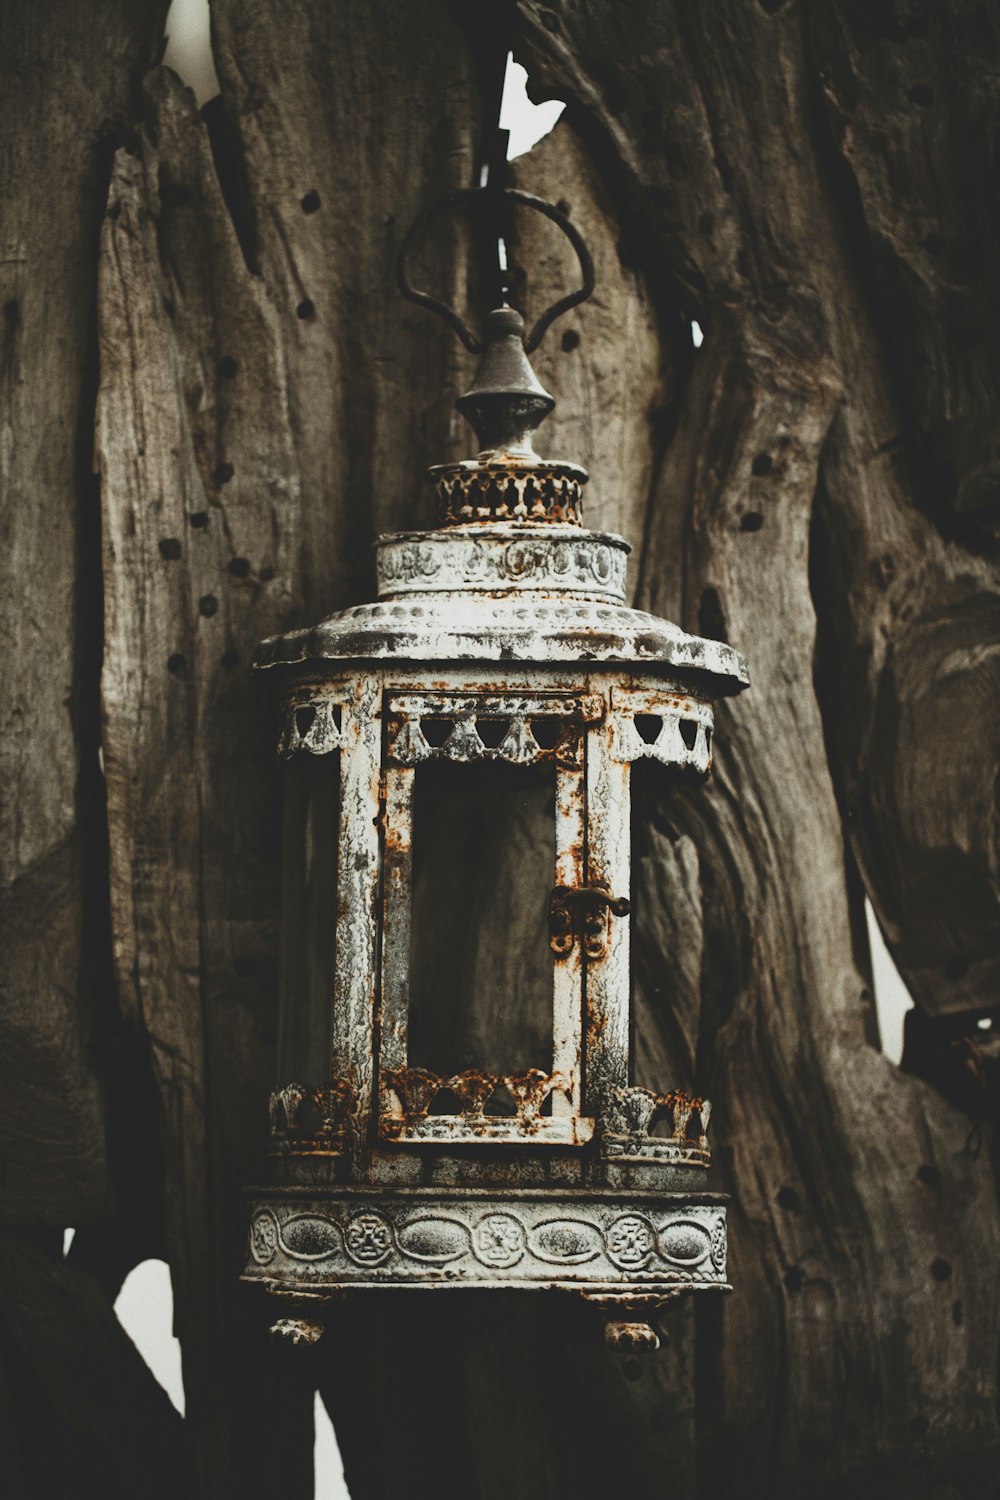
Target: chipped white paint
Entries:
(567, 979)
(569, 630)
(354, 978)
(509, 1239)
(502, 642)
(609, 860)
(485, 558)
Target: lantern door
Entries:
(484, 834)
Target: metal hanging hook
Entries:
(461, 197)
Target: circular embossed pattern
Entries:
(498, 1240)
(308, 1237)
(414, 561)
(565, 1242)
(263, 1237)
(630, 1241)
(435, 1240)
(719, 1244)
(684, 1242)
(439, 561)
(368, 1239)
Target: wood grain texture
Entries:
(908, 501)
(816, 484)
(614, 414)
(253, 385)
(66, 75)
(766, 507)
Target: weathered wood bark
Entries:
(817, 484)
(68, 71)
(772, 508)
(253, 386)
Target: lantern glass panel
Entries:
(483, 870)
(311, 796)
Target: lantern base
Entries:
(608, 1245)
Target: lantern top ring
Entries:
(459, 199)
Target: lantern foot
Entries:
(302, 1326)
(625, 1328)
(630, 1338)
(298, 1330)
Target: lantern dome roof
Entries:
(511, 576)
(546, 593)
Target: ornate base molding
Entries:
(621, 1245)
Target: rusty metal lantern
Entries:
(499, 673)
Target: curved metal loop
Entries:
(450, 316)
(424, 299)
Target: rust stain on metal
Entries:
(312, 1120)
(504, 1106)
(501, 640)
(583, 912)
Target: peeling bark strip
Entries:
(253, 388)
(65, 76)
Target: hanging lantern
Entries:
(458, 757)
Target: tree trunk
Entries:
(817, 484)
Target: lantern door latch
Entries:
(583, 912)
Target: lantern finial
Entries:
(506, 402)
